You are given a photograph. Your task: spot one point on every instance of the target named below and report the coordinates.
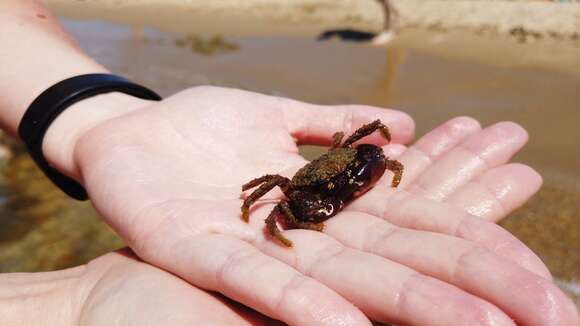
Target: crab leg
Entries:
(336, 139)
(284, 209)
(367, 130)
(268, 182)
(397, 168)
(258, 181)
(297, 224)
(273, 227)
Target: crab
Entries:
(320, 189)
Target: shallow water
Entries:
(43, 230)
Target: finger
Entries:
(393, 151)
(169, 296)
(456, 261)
(415, 212)
(384, 290)
(239, 271)
(497, 192)
(479, 152)
(315, 125)
(432, 146)
(250, 315)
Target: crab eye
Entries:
(327, 210)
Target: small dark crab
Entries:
(321, 188)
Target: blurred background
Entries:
(490, 59)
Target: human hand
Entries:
(167, 178)
(115, 289)
(122, 290)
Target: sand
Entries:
(537, 19)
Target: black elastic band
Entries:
(53, 101)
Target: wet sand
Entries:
(433, 75)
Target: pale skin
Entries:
(167, 176)
(94, 294)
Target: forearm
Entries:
(35, 54)
(40, 298)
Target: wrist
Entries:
(40, 298)
(61, 137)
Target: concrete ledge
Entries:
(550, 19)
(536, 19)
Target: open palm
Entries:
(168, 179)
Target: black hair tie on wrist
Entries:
(53, 101)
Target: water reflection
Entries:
(42, 229)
